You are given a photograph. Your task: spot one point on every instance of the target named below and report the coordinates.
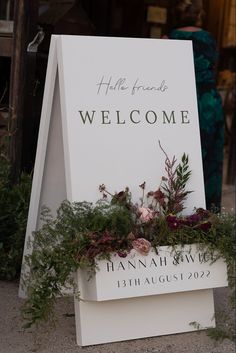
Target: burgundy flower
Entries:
(193, 219)
(173, 222)
(142, 246)
(150, 193)
(203, 213)
(121, 253)
(120, 194)
(205, 226)
(159, 195)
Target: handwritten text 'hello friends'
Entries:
(108, 85)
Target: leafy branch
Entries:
(174, 184)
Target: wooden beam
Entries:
(24, 11)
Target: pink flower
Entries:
(146, 214)
(142, 246)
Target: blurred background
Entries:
(25, 31)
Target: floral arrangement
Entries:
(83, 233)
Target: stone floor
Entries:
(61, 338)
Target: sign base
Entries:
(154, 274)
(133, 318)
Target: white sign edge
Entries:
(33, 213)
(64, 114)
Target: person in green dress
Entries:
(188, 20)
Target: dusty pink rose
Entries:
(146, 214)
(142, 246)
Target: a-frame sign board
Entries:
(107, 103)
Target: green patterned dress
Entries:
(210, 111)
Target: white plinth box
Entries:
(144, 296)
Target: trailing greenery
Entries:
(82, 233)
(14, 203)
(225, 328)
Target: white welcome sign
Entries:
(107, 103)
(118, 98)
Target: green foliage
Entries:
(80, 233)
(83, 233)
(174, 187)
(183, 173)
(219, 333)
(14, 202)
(225, 328)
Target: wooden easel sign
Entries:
(107, 103)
